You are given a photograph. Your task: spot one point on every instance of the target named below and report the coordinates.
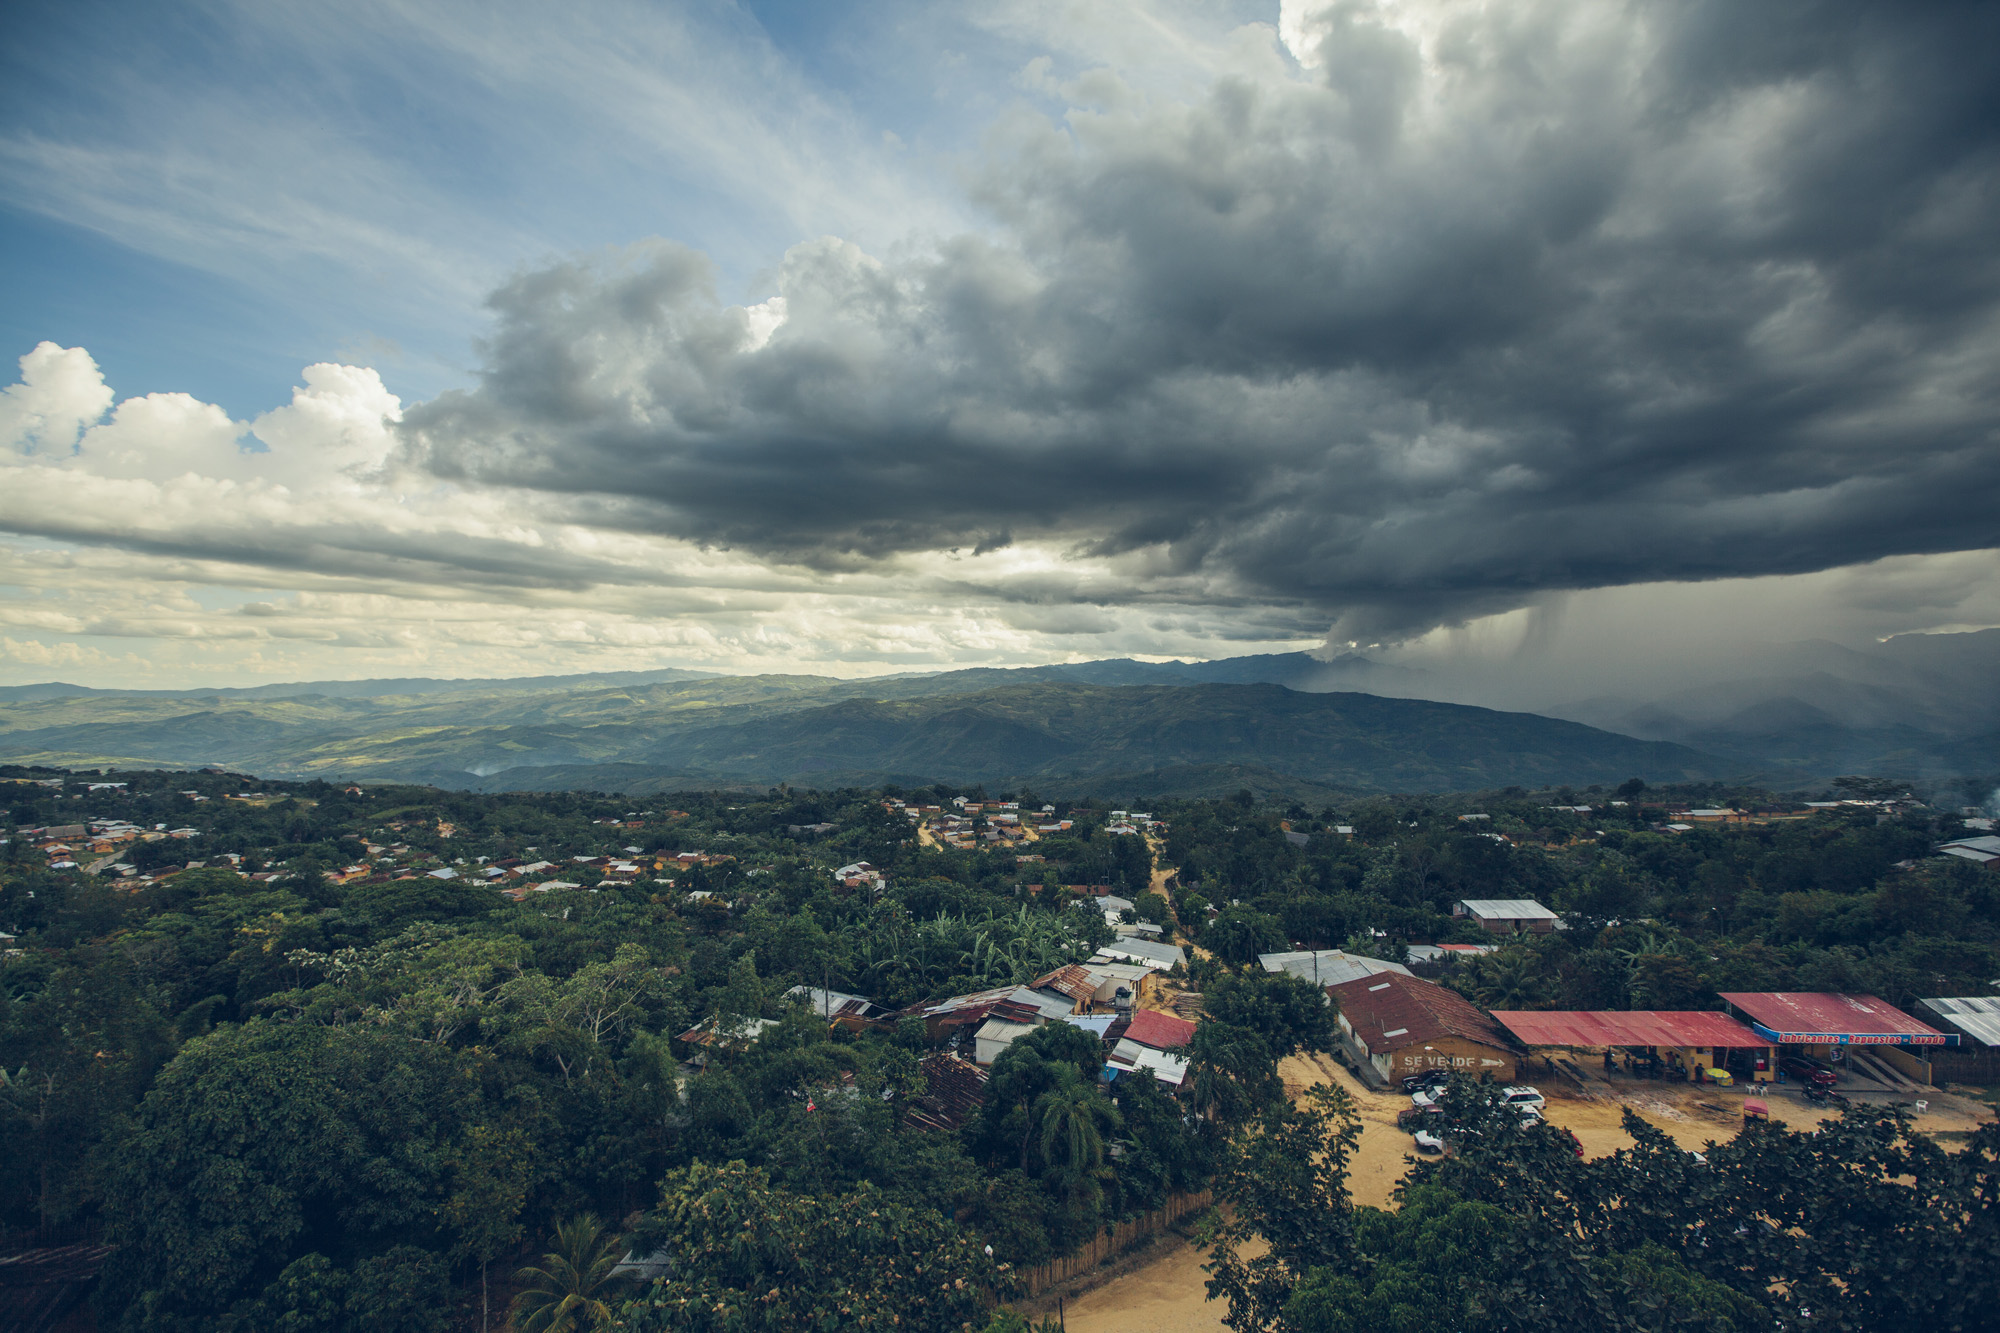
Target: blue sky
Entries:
(387, 164)
(499, 338)
(278, 183)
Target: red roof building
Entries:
(1409, 1026)
(1816, 1018)
(1681, 1029)
(1160, 1031)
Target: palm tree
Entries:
(572, 1289)
(1073, 1116)
(1510, 979)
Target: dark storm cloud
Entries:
(1576, 295)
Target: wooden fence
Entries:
(1969, 1063)
(1114, 1241)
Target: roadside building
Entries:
(1976, 1058)
(1976, 1016)
(1507, 916)
(1685, 1039)
(1407, 1025)
(1867, 1033)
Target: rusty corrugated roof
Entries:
(954, 1090)
(1389, 1011)
(1074, 980)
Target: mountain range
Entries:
(1277, 722)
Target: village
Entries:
(958, 960)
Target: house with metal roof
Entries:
(1162, 1032)
(1980, 851)
(1814, 1018)
(1407, 1025)
(852, 1012)
(1507, 916)
(1128, 1057)
(1327, 967)
(1147, 1044)
(1024, 1010)
(953, 1092)
(1977, 1016)
(1161, 956)
(1074, 980)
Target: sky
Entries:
(1558, 339)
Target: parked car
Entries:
(1416, 1117)
(1431, 1139)
(1519, 1097)
(1808, 1071)
(1430, 1078)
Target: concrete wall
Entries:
(1453, 1053)
(1913, 1067)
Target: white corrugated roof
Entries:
(1139, 951)
(1508, 909)
(1977, 1016)
(1129, 1054)
(1327, 967)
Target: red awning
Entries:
(1617, 1027)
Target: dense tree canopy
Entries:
(306, 1068)
(1859, 1225)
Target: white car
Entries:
(1517, 1097)
(1427, 1141)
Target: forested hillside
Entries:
(967, 727)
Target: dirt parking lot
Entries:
(1163, 1292)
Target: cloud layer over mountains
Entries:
(1488, 301)
(1378, 316)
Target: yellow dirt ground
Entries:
(1164, 1292)
(1164, 1295)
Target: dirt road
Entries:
(1163, 1295)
